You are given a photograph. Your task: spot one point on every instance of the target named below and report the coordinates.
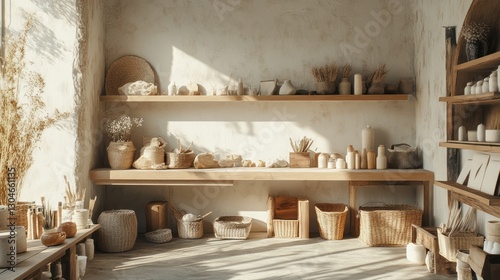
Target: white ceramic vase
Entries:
(345, 87)
(381, 158)
(172, 88)
(462, 133)
(358, 84)
(481, 133)
(468, 88)
(287, 88)
(323, 160)
(368, 138)
(493, 82)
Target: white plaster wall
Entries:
(258, 40)
(430, 58)
(65, 46)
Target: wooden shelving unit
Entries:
(252, 98)
(482, 98)
(473, 146)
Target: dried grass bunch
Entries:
(346, 71)
(327, 73)
(118, 126)
(22, 111)
(379, 74)
(475, 31)
(301, 146)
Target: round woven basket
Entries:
(127, 69)
(190, 230)
(118, 230)
(331, 220)
(121, 154)
(159, 236)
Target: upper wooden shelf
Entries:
(482, 98)
(485, 63)
(481, 197)
(473, 146)
(252, 98)
(106, 176)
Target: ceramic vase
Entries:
(486, 85)
(476, 49)
(287, 88)
(462, 133)
(121, 154)
(21, 240)
(89, 249)
(345, 87)
(479, 87)
(381, 158)
(241, 89)
(368, 138)
(493, 82)
(323, 160)
(172, 88)
(468, 88)
(370, 160)
(358, 84)
(481, 133)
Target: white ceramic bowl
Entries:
(492, 135)
(472, 135)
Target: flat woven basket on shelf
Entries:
(232, 227)
(118, 231)
(180, 160)
(450, 244)
(331, 220)
(389, 225)
(286, 228)
(159, 236)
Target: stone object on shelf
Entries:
(152, 155)
(231, 161)
(138, 88)
(268, 87)
(205, 160)
(278, 163)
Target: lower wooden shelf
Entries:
(484, 202)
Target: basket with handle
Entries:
(388, 225)
(188, 229)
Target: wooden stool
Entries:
(156, 215)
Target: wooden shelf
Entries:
(224, 176)
(481, 197)
(485, 63)
(251, 98)
(482, 98)
(473, 146)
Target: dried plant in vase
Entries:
(345, 85)
(22, 113)
(325, 78)
(476, 38)
(180, 157)
(377, 80)
(121, 150)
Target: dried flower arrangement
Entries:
(22, 111)
(301, 146)
(327, 73)
(475, 31)
(346, 71)
(379, 74)
(180, 150)
(118, 127)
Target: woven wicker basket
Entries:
(181, 160)
(449, 245)
(118, 230)
(388, 225)
(121, 154)
(190, 230)
(127, 69)
(286, 228)
(159, 236)
(331, 220)
(232, 227)
(22, 209)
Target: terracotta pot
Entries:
(69, 228)
(53, 238)
(121, 154)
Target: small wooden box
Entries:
(428, 238)
(301, 160)
(156, 215)
(484, 264)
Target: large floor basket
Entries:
(331, 220)
(389, 225)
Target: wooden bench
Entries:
(31, 263)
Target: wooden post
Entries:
(303, 218)
(68, 262)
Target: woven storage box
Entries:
(232, 227)
(190, 230)
(449, 245)
(331, 220)
(22, 209)
(118, 230)
(159, 236)
(286, 228)
(388, 225)
(182, 160)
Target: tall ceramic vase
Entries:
(121, 154)
(345, 87)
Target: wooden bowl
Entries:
(53, 238)
(69, 228)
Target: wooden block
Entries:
(303, 218)
(286, 208)
(270, 216)
(484, 264)
(156, 215)
(301, 160)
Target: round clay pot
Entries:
(69, 228)
(53, 238)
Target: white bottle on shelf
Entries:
(493, 82)
(486, 85)
(468, 89)
(381, 158)
(323, 160)
(172, 88)
(481, 133)
(462, 133)
(479, 87)
(368, 138)
(358, 84)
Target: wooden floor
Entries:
(257, 258)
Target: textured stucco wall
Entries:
(65, 46)
(215, 45)
(430, 57)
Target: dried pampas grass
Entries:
(327, 73)
(22, 116)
